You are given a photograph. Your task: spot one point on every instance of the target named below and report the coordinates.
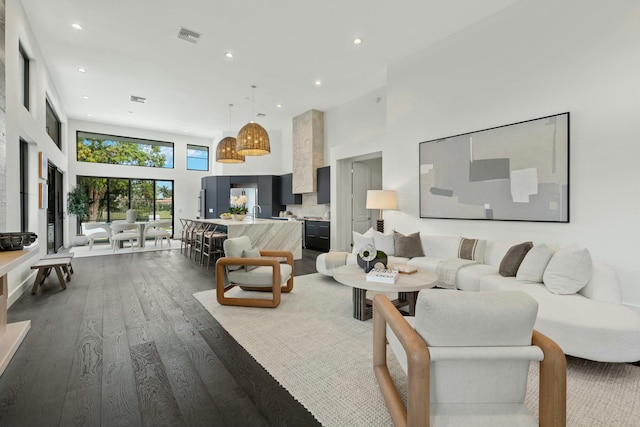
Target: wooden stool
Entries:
(61, 255)
(62, 267)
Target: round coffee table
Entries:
(407, 286)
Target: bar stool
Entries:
(212, 245)
(184, 234)
(198, 240)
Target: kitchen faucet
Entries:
(254, 210)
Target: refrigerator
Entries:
(251, 193)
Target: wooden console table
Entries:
(11, 334)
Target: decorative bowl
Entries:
(16, 241)
(225, 215)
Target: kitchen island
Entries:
(265, 233)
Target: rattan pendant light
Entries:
(226, 149)
(253, 140)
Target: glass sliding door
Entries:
(118, 197)
(142, 197)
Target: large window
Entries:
(24, 76)
(112, 197)
(121, 150)
(197, 157)
(53, 125)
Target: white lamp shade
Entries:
(382, 199)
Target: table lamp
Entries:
(381, 199)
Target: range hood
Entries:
(308, 150)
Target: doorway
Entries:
(55, 210)
(362, 173)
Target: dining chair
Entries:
(95, 233)
(122, 231)
(158, 230)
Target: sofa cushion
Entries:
(360, 240)
(568, 271)
(440, 246)
(384, 242)
(472, 249)
(428, 263)
(603, 285)
(534, 263)
(512, 259)
(408, 246)
(468, 278)
(259, 277)
(495, 250)
(251, 253)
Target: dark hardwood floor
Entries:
(128, 345)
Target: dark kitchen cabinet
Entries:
(317, 235)
(217, 193)
(287, 197)
(324, 185)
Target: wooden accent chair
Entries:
(467, 356)
(252, 270)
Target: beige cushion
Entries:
(259, 277)
(251, 253)
(233, 249)
(568, 271)
(534, 263)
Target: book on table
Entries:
(382, 275)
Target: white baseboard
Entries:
(25, 286)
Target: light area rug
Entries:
(100, 249)
(318, 352)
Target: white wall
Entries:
(30, 126)
(532, 59)
(187, 183)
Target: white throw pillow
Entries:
(383, 242)
(568, 271)
(534, 263)
(360, 240)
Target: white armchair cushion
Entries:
(261, 277)
(568, 271)
(456, 318)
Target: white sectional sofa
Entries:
(591, 324)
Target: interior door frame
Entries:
(343, 201)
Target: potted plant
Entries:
(78, 203)
(238, 209)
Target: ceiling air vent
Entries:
(138, 99)
(261, 115)
(188, 35)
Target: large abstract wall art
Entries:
(517, 172)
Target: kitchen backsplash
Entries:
(310, 207)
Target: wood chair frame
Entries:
(269, 258)
(553, 372)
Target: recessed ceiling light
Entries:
(88, 115)
(186, 131)
(228, 55)
(82, 70)
(278, 105)
(85, 96)
(318, 83)
(357, 40)
(76, 26)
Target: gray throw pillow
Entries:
(513, 258)
(251, 253)
(472, 249)
(407, 246)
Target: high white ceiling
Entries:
(130, 47)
